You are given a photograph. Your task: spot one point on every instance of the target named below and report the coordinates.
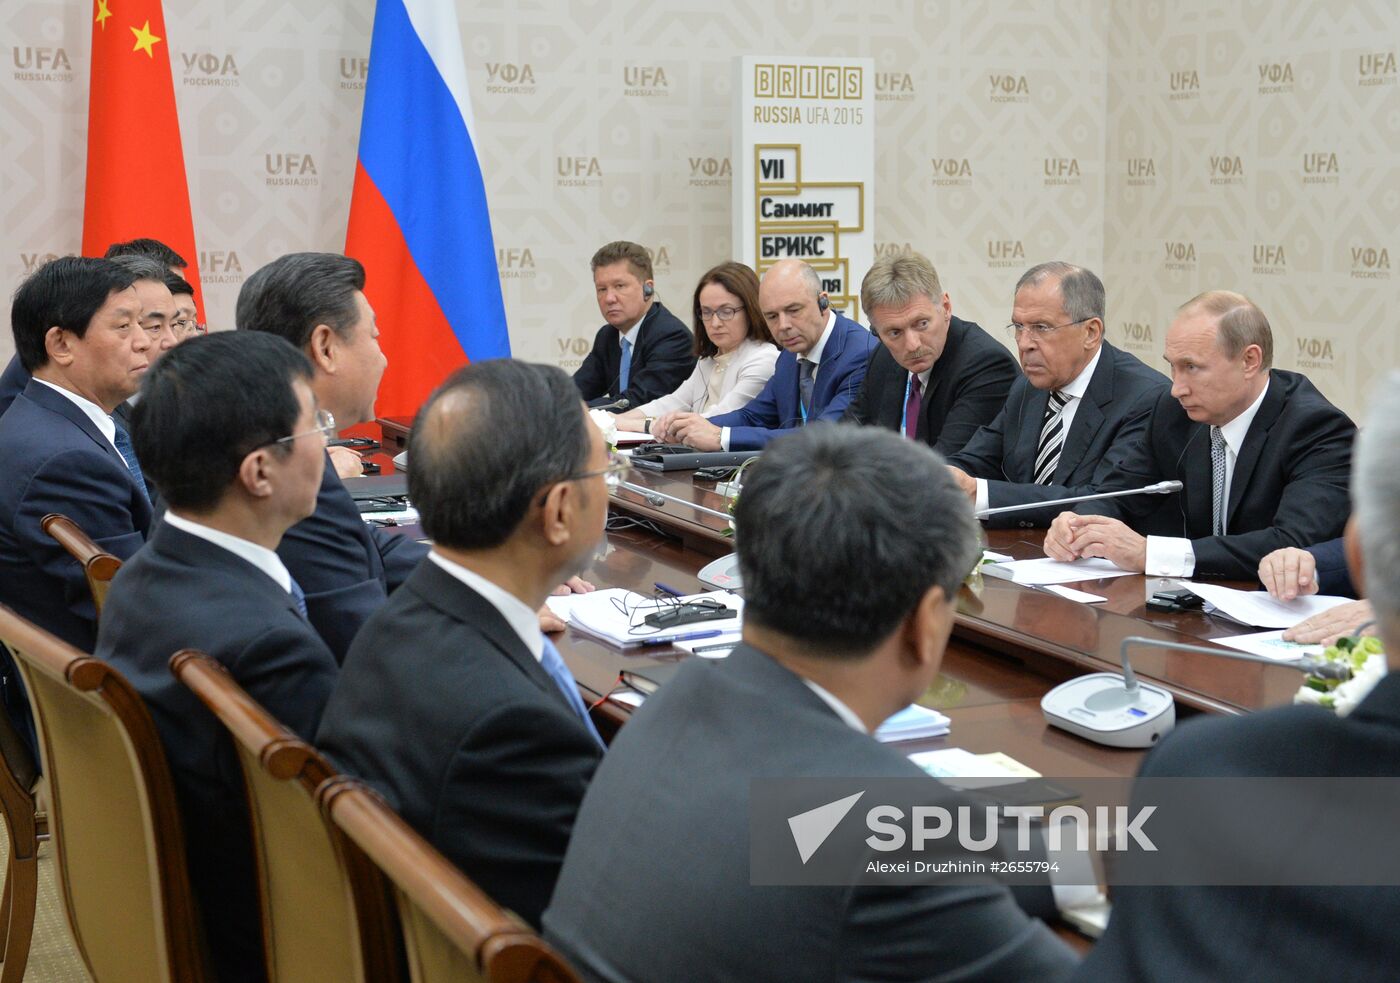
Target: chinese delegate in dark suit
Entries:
(1289, 486)
(179, 592)
(58, 461)
(673, 795)
(1170, 934)
(442, 708)
(346, 568)
(12, 383)
(966, 388)
(778, 406)
(663, 357)
(1112, 415)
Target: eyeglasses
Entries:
(325, 426)
(721, 314)
(617, 469)
(1041, 330)
(188, 328)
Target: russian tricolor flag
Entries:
(418, 217)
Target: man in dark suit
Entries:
(1079, 401)
(451, 702)
(12, 382)
(644, 351)
(816, 377)
(1171, 933)
(316, 301)
(77, 331)
(235, 476)
(934, 377)
(1264, 458)
(848, 607)
(1291, 572)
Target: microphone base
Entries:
(1099, 708)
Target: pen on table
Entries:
(683, 638)
(714, 648)
(666, 589)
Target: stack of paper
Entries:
(1035, 573)
(623, 623)
(956, 763)
(913, 723)
(1257, 608)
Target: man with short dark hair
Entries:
(78, 333)
(1263, 457)
(235, 476)
(848, 607)
(644, 351)
(316, 301)
(150, 248)
(1077, 403)
(934, 377)
(451, 702)
(816, 377)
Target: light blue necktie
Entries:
(625, 372)
(298, 595)
(128, 453)
(553, 663)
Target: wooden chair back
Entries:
(99, 567)
(452, 930)
(326, 911)
(113, 814)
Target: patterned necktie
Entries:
(128, 453)
(553, 663)
(298, 595)
(805, 383)
(1217, 482)
(913, 406)
(625, 371)
(1052, 438)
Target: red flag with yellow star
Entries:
(136, 185)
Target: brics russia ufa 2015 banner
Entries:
(1173, 147)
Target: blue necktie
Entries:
(298, 595)
(625, 372)
(553, 663)
(128, 453)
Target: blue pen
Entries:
(665, 589)
(683, 638)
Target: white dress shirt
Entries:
(100, 418)
(1172, 556)
(259, 556)
(814, 356)
(847, 715)
(522, 620)
(1073, 393)
(720, 383)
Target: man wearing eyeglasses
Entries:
(229, 430)
(451, 702)
(1079, 400)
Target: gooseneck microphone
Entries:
(655, 498)
(1160, 488)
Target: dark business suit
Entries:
(1333, 577)
(442, 708)
(182, 591)
(12, 383)
(778, 406)
(966, 388)
(1289, 486)
(663, 356)
(58, 461)
(346, 568)
(1111, 415)
(665, 825)
(1170, 934)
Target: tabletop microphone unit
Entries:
(1117, 710)
(1160, 488)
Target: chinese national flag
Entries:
(136, 185)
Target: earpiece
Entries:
(823, 303)
(648, 290)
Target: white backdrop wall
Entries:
(1171, 146)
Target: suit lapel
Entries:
(66, 408)
(1254, 440)
(1088, 417)
(956, 330)
(182, 547)
(1195, 474)
(1032, 419)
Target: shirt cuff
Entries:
(724, 438)
(1169, 556)
(982, 495)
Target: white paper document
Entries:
(1037, 573)
(1257, 608)
(1070, 594)
(619, 616)
(956, 765)
(913, 723)
(1270, 645)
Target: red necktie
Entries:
(912, 406)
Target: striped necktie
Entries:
(128, 453)
(1052, 438)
